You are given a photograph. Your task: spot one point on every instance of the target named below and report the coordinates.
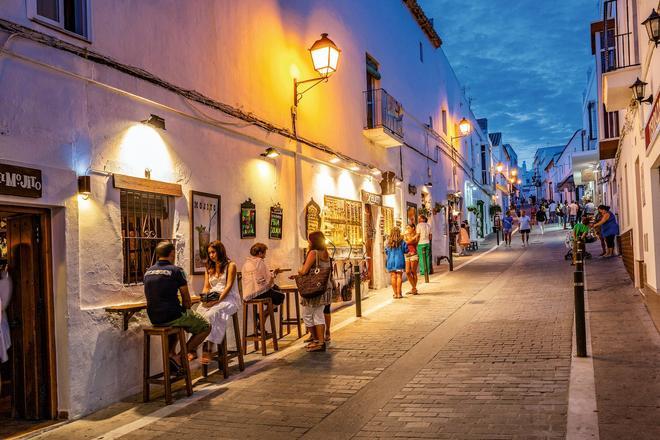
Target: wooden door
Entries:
(27, 317)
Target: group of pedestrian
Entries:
(403, 253)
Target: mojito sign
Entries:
(20, 181)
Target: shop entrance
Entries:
(369, 241)
(28, 391)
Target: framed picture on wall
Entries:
(248, 219)
(205, 227)
(275, 224)
(411, 213)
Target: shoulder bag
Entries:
(315, 282)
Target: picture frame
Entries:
(248, 219)
(205, 227)
(275, 223)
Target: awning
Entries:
(568, 183)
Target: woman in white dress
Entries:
(220, 298)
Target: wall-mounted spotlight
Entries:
(429, 184)
(335, 159)
(375, 171)
(155, 121)
(85, 186)
(354, 167)
(270, 153)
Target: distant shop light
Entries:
(335, 159)
(652, 25)
(375, 171)
(85, 186)
(155, 121)
(639, 90)
(499, 167)
(514, 172)
(270, 153)
(354, 166)
(518, 181)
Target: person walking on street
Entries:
(541, 218)
(412, 258)
(395, 249)
(609, 228)
(162, 284)
(424, 237)
(464, 239)
(552, 210)
(589, 208)
(572, 213)
(507, 227)
(580, 231)
(312, 308)
(525, 227)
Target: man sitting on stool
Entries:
(162, 282)
(258, 282)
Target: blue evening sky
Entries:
(524, 63)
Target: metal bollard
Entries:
(357, 279)
(497, 235)
(580, 326)
(451, 252)
(426, 265)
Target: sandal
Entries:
(315, 347)
(206, 358)
(308, 340)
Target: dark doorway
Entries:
(28, 392)
(369, 241)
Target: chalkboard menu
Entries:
(275, 225)
(312, 217)
(342, 221)
(248, 219)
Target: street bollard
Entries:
(426, 264)
(579, 258)
(451, 252)
(497, 234)
(580, 326)
(357, 279)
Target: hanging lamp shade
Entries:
(325, 55)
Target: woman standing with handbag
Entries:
(312, 306)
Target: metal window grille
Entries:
(145, 221)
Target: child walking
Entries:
(396, 249)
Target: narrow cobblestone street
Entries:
(484, 352)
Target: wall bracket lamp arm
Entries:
(297, 95)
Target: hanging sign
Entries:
(275, 225)
(312, 217)
(371, 198)
(653, 123)
(20, 181)
(248, 219)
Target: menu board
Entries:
(387, 221)
(275, 225)
(248, 219)
(342, 221)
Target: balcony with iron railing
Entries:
(383, 118)
(619, 56)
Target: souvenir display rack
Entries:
(342, 222)
(387, 221)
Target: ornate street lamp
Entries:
(652, 25)
(499, 167)
(514, 172)
(638, 89)
(464, 127)
(325, 56)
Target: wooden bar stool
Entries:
(259, 334)
(222, 355)
(288, 320)
(165, 379)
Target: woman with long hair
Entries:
(220, 296)
(609, 228)
(396, 249)
(312, 308)
(412, 258)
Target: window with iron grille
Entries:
(146, 220)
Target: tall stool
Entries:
(259, 332)
(288, 320)
(222, 355)
(164, 378)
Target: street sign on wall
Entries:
(20, 181)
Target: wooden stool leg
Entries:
(262, 329)
(295, 297)
(145, 367)
(271, 312)
(164, 339)
(237, 334)
(184, 362)
(205, 348)
(245, 327)
(256, 313)
(288, 315)
(286, 297)
(222, 355)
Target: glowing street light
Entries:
(325, 55)
(499, 167)
(464, 127)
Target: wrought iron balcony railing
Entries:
(383, 111)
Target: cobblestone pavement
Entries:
(483, 353)
(626, 354)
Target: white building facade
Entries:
(76, 86)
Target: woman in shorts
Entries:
(412, 258)
(507, 227)
(396, 249)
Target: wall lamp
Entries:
(335, 159)
(85, 186)
(155, 121)
(652, 25)
(429, 184)
(325, 55)
(499, 167)
(270, 153)
(639, 89)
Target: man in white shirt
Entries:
(258, 282)
(589, 208)
(553, 211)
(424, 237)
(572, 213)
